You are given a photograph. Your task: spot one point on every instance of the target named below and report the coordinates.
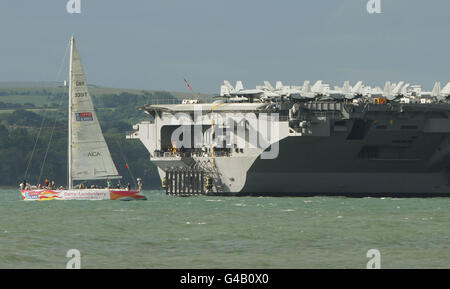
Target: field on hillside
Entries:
(49, 94)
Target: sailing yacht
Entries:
(88, 154)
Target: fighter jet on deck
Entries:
(238, 92)
(436, 92)
(347, 91)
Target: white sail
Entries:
(89, 155)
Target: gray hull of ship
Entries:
(414, 164)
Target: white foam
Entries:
(288, 210)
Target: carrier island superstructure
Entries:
(303, 140)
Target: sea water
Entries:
(225, 232)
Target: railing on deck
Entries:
(191, 153)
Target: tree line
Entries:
(19, 131)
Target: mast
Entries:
(69, 130)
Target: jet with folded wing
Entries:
(436, 92)
(238, 92)
(228, 90)
(347, 91)
(445, 92)
(304, 92)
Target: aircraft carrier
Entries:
(303, 140)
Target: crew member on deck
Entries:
(23, 185)
(209, 184)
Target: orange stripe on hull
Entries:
(118, 194)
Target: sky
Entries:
(146, 44)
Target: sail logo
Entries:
(31, 196)
(84, 116)
(73, 6)
(94, 154)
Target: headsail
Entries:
(89, 155)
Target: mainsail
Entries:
(89, 156)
